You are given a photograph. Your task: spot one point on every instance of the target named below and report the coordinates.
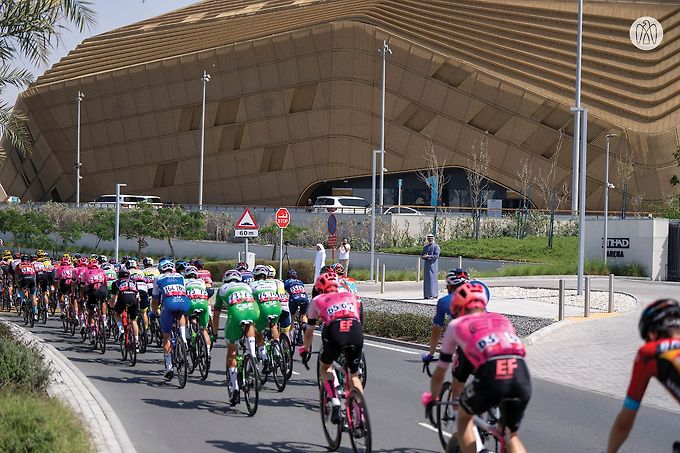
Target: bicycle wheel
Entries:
(52, 306)
(43, 312)
(278, 366)
(123, 348)
(359, 423)
(73, 321)
(251, 386)
(181, 351)
(287, 350)
(332, 431)
(318, 370)
(143, 337)
(132, 350)
(445, 415)
(452, 445)
(24, 313)
(363, 370)
(202, 356)
(101, 327)
(263, 371)
(31, 317)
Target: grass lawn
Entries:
(530, 249)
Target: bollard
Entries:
(382, 281)
(377, 270)
(611, 293)
(418, 270)
(460, 262)
(560, 314)
(586, 299)
(239, 257)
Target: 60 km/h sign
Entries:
(282, 217)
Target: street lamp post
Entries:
(607, 186)
(583, 114)
(577, 113)
(79, 99)
(118, 186)
(375, 151)
(205, 78)
(385, 50)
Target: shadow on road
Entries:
(291, 447)
(214, 407)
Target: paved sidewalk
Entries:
(74, 389)
(595, 354)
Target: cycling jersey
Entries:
(137, 275)
(480, 337)
(198, 295)
(204, 274)
(94, 277)
(334, 306)
(266, 293)
(95, 286)
(126, 289)
(296, 290)
(111, 277)
(79, 274)
(169, 289)
(26, 270)
(247, 276)
(443, 310)
(660, 359)
(347, 284)
(238, 298)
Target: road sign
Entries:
(332, 241)
(332, 224)
(282, 217)
(246, 221)
(246, 233)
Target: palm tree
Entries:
(29, 30)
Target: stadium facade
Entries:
(294, 99)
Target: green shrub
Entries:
(403, 326)
(21, 366)
(35, 424)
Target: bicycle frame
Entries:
(479, 423)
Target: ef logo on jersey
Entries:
(505, 368)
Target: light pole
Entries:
(583, 114)
(205, 78)
(375, 151)
(577, 113)
(607, 186)
(118, 186)
(79, 99)
(385, 50)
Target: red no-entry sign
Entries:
(282, 217)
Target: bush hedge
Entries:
(31, 423)
(402, 326)
(21, 366)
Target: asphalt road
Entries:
(159, 417)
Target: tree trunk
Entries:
(172, 249)
(140, 241)
(434, 223)
(276, 246)
(96, 246)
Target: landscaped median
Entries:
(30, 421)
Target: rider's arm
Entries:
(622, 426)
(313, 314)
(438, 323)
(449, 344)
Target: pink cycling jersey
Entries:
(79, 274)
(481, 338)
(64, 273)
(95, 277)
(334, 306)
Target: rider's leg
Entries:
(231, 365)
(466, 433)
(216, 320)
(183, 327)
(515, 445)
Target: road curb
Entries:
(541, 333)
(404, 344)
(75, 390)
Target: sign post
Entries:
(246, 227)
(400, 184)
(282, 220)
(332, 239)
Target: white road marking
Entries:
(296, 373)
(390, 348)
(432, 428)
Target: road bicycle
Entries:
(143, 333)
(198, 348)
(340, 363)
(352, 415)
(178, 351)
(96, 329)
(287, 351)
(128, 346)
(156, 336)
(42, 307)
(70, 319)
(247, 375)
(276, 363)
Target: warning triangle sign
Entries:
(246, 222)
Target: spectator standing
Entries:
(343, 255)
(430, 255)
(319, 260)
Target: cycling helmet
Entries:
(327, 283)
(102, 259)
(232, 276)
(658, 316)
(34, 258)
(17, 256)
(468, 296)
(181, 265)
(339, 268)
(190, 272)
(260, 271)
(123, 273)
(242, 266)
(113, 261)
(82, 262)
(166, 265)
(148, 261)
(41, 253)
(456, 277)
(25, 258)
(292, 273)
(77, 256)
(107, 266)
(326, 268)
(65, 261)
(198, 264)
(132, 264)
(125, 258)
(272, 272)
(93, 264)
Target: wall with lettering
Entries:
(639, 241)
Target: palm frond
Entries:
(14, 76)
(14, 128)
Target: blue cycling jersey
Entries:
(296, 289)
(443, 309)
(170, 285)
(247, 277)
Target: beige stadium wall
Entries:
(291, 110)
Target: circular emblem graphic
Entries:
(646, 33)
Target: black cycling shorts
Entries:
(41, 281)
(95, 295)
(64, 287)
(343, 334)
(28, 283)
(295, 305)
(144, 300)
(129, 302)
(504, 382)
(462, 368)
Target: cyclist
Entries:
(50, 273)
(496, 356)
(237, 296)
(266, 293)
(5, 268)
(284, 318)
(205, 275)
(79, 289)
(659, 357)
(169, 290)
(297, 298)
(245, 273)
(40, 277)
(111, 275)
(150, 274)
(64, 278)
(27, 282)
(198, 295)
(454, 279)
(126, 297)
(13, 265)
(342, 331)
(94, 279)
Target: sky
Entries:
(111, 14)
